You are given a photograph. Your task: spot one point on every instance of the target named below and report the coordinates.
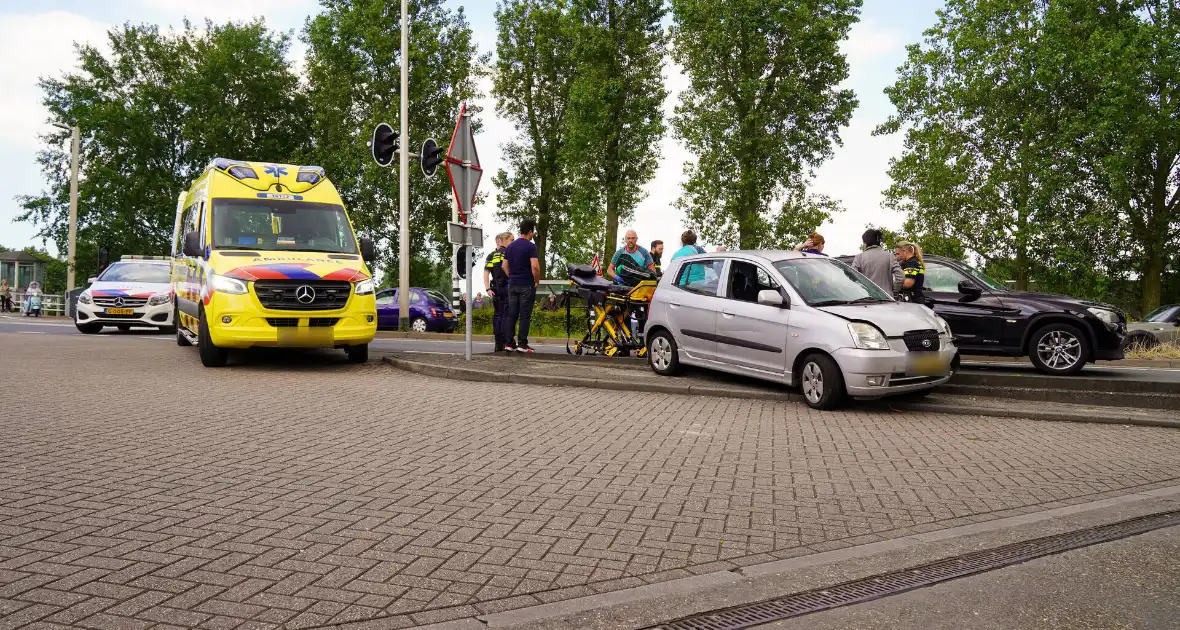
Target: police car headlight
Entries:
(364, 287)
(223, 284)
(160, 298)
(84, 298)
(867, 337)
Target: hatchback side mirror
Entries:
(770, 297)
(970, 290)
(192, 244)
(368, 249)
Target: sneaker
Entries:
(525, 349)
(509, 347)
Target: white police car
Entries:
(136, 291)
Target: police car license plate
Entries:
(119, 311)
(926, 364)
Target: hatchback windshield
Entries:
(137, 272)
(281, 225)
(825, 282)
(1163, 315)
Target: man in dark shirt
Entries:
(496, 282)
(657, 252)
(524, 274)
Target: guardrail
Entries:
(51, 304)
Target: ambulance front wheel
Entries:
(358, 354)
(211, 355)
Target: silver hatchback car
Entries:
(797, 319)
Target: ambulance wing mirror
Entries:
(368, 249)
(192, 244)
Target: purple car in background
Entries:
(429, 311)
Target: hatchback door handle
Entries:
(727, 313)
(674, 304)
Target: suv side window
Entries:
(746, 280)
(701, 276)
(941, 278)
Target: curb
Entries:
(463, 374)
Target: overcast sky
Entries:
(36, 39)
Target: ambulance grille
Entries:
(326, 295)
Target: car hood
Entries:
(128, 289)
(251, 266)
(1029, 297)
(893, 318)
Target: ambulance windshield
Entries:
(281, 225)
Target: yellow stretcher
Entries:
(615, 314)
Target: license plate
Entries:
(119, 311)
(926, 364)
(448, 314)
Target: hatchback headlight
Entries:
(160, 298)
(1108, 317)
(84, 298)
(223, 284)
(943, 326)
(867, 336)
(364, 287)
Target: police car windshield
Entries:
(826, 282)
(281, 225)
(137, 272)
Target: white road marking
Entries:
(31, 332)
(17, 321)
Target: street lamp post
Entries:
(75, 149)
(404, 182)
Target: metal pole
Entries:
(75, 149)
(470, 303)
(404, 181)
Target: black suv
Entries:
(1060, 334)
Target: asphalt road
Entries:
(24, 325)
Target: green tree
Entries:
(354, 69)
(616, 104)
(536, 64)
(763, 106)
(1120, 63)
(801, 214)
(153, 114)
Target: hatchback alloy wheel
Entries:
(813, 383)
(661, 353)
(1059, 349)
(419, 325)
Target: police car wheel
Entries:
(89, 329)
(358, 354)
(211, 355)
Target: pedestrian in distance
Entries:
(813, 245)
(496, 281)
(657, 252)
(550, 305)
(524, 276)
(876, 264)
(630, 248)
(5, 296)
(910, 257)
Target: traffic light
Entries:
(461, 265)
(431, 157)
(384, 144)
(104, 258)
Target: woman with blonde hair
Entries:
(909, 255)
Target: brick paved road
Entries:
(142, 490)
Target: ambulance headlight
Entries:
(223, 284)
(364, 287)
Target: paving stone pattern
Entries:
(139, 489)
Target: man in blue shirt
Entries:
(631, 248)
(524, 274)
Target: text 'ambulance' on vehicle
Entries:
(264, 255)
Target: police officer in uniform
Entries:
(657, 252)
(909, 255)
(496, 282)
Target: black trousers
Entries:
(500, 316)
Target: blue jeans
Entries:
(520, 309)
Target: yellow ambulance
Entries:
(264, 255)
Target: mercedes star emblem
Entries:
(119, 302)
(305, 294)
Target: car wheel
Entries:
(124, 327)
(211, 355)
(1059, 350)
(88, 329)
(1142, 341)
(419, 325)
(358, 354)
(662, 354)
(821, 382)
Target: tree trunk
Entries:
(1153, 271)
(612, 229)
